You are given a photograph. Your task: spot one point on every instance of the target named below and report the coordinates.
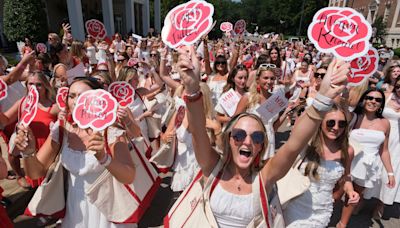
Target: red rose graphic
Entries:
(96, 29)
(186, 23)
(3, 89)
(226, 27)
(363, 67)
(123, 92)
(61, 97)
(29, 106)
(41, 48)
(240, 26)
(341, 31)
(96, 109)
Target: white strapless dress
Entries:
(314, 207)
(381, 190)
(366, 165)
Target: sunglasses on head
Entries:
(319, 75)
(377, 99)
(239, 135)
(332, 123)
(267, 66)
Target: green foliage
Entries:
(266, 14)
(25, 18)
(380, 27)
(397, 52)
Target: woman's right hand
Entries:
(168, 136)
(335, 79)
(25, 141)
(189, 69)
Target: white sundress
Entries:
(83, 169)
(314, 207)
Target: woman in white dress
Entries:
(84, 167)
(262, 88)
(217, 81)
(385, 194)
(369, 138)
(244, 143)
(326, 161)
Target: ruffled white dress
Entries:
(83, 169)
(137, 108)
(314, 207)
(216, 88)
(385, 194)
(366, 165)
(185, 166)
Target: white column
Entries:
(146, 17)
(396, 15)
(76, 19)
(130, 15)
(157, 17)
(108, 16)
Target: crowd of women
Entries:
(345, 140)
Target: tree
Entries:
(25, 18)
(379, 26)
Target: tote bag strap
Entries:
(260, 189)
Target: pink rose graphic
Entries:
(186, 23)
(96, 29)
(96, 109)
(29, 106)
(226, 27)
(240, 26)
(3, 89)
(123, 92)
(61, 97)
(341, 31)
(363, 67)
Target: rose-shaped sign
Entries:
(29, 106)
(61, 97)
(96, 29)
(41, 48)
(187, 23)
(96, 109)
(133, 62)
(226, 26)
(363, 67)
(240, 27)
(3, 89)
(341, 31)
(123, 92)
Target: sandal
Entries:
(23, 183)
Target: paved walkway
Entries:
(162, 202)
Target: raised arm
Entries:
(189, 70)
(16, 73)
(164, 74)
(332, 85)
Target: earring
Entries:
(258, 89)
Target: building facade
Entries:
(372, 9)
(122, 16)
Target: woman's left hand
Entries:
(96, 145)
(354, 197)
(392, 182)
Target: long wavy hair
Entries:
(254, 96)
(316, 148)
(360, 106)
(230, 82)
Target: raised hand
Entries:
(335, 79)
(96, 144)
(189, 69)
(25, 141)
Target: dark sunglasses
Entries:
(239, 135)
(153, 55)
(396, 87)
(220, 63)
(377, 99)
(319, 75)
(332, 123)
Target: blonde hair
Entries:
(316, 148)
(254, 96)
(45, 83)
(207, 103)
(77, 49)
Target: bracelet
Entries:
(390, 174)
(323, 99)
(31, 154)
(193, 97)
(107, 162)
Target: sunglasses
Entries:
(332, 123)
(153, 55)
(396, 87)
(239, 135)
(220, 63)
(377, 99)
(319, 75)
(267, 66)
